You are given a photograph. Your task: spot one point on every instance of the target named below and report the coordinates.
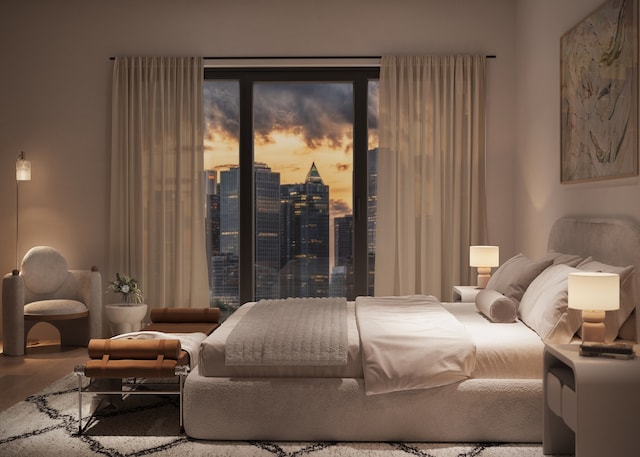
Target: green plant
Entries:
(127, 288)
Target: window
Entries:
(290, 166)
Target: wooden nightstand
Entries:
(591, 405)
(465, 294)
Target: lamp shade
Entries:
(23, 168)
(484, 256)
(594, 291)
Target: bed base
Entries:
(337, 409)
(474, 410)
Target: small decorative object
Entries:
(484, 257)
(128, 289)
(127, 316)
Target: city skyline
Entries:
(295, 124)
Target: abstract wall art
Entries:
(599, 95)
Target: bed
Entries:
(497, 399)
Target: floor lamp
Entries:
(23, 173)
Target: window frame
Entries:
(247, 77)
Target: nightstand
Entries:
(465, 294)
(591, 404)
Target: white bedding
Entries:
(411, 342)
(503, 351)
(212, 354)
(290, 332)
(189, 342)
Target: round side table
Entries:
(125, 318)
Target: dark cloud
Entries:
(339, 206)
(317, 112)
(222, 108)
(343, 166)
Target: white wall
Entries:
(540, 198)
(55, 88)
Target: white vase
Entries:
(125, 318)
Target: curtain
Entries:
(157, 232)
(431, 173)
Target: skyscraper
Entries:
(229, 211)
(372, 202)
(267, 230)
(212, 220)
(267, 227)
(225, 266)
(305, 237)
(343, 253)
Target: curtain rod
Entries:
(489, 56)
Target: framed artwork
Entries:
(599, 95)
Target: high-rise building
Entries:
(267, 227)
(267, 232)
(226, 265)
(305, 237)
(343, 239)
(372, 192)
(212, 219)
(343, 255)
(229, 211)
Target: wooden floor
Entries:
(43, 363)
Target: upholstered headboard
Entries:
(615, 241)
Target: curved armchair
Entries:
(47, 291)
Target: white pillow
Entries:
(514, 276)
(568, 259)
(496, 307)
(544, 306)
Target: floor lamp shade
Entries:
(23, 168)
(484, 258)
(593, 293)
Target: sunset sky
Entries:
(295, 124)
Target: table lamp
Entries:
(593, 293)
(483, 258)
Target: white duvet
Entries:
(189, 342)
(411, 342)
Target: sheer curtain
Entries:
(157, 199)
(431, 173)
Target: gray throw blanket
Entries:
(290, 332)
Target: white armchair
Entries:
(47, 291)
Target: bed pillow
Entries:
(496, 307)
(628, 329)
(572, 260)
(544, 306)
(514, 276)
(615, 319)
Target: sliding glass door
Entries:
(291, 163)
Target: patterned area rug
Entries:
(46, 424)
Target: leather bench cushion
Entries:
(184, 315)
(134, 349)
